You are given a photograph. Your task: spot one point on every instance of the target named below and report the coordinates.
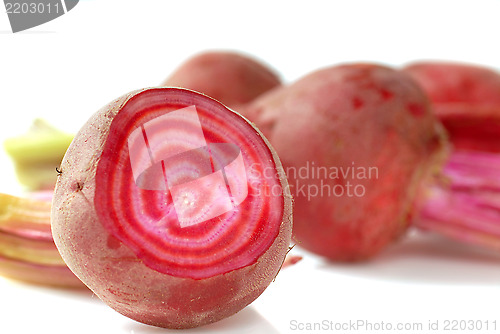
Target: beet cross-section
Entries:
(172, 208)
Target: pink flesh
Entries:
(145, 216)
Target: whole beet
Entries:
(355, 140)
(229, 77)
(457, 83)
(201, 282)
(466, 99)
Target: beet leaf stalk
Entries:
(37, 153)
(27, 250)
(463, 202)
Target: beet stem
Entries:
(465, 203)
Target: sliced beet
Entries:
(160, 202)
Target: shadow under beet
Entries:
(247, 320)
(427, 258)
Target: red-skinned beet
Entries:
(229, 77)
(466, 99)
(239, 79)
(133, 222)
(356, 140)
(463, 200)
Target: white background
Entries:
(66, 69)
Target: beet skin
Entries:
(355, 141)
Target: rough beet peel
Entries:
(230, 77)
(356, 141)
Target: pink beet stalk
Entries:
(464, 202)
(27, 250)
(172, 208)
